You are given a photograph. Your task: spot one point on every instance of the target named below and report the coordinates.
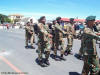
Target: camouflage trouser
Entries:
(70, 42)
(57, 44)
(53, 42)
(29, 37)
(91, 65)
(43, 48)
(81, 52)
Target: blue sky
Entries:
(51, 8)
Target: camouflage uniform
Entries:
(70, 35)
(91, 61)
(81, 50)
(80, 54)
(44, 42)
(32, 25)
(28, 35)
(59, 39)
(53, 38)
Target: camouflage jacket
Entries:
(43, 32)
(59, 31)
(89, 41)
(69, 29)
(29, 29)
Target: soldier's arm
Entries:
(73, 31)
(32, 29)
(27, 29)
(60, 29)
(90, 34)
(68, 30)
(41, 30)
(47, 30)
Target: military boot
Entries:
(56, 58)
(41, 63)
(46, 62)
(62, 58)
(32, 47)
(66, 53)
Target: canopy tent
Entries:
(76, 20)
(65, 19)
(79, 20)
(23, 21)
(34, 20)
(97, 20)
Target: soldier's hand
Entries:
(31, 32)
(50, 36)
(98, 34)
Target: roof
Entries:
(76, 20)
(65, 19)
(16, 15)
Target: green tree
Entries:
(4, 18)
(8, 20)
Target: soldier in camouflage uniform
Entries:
(59, 40)
(29, 35)
(91, 61)
(53, 34)
(70, 35)
(81, 52)
(44, 42)
(32, 25)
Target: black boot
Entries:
(62, 58)
(32, 47)
(41, 63)
(26, 47)
(79, 57)
(56, 58)
(66, 53)
(70, 52)
(47, 62)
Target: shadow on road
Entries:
(78, 57)
(74, 73)
(29, 47)
(38, 63)
(52, 56)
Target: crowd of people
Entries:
(51, 38)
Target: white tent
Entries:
(34, 20)
(24, 20)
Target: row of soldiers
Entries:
(53, 38)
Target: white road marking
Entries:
(4, 53)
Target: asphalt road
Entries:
(14, 58)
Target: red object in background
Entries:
(7, 26)
(97, 21)
(65, 19)
(76, 20)
(79, 20)
(98, 34)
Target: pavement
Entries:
(16, 60)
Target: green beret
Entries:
(90, 18)
(71, 19)
(41, 18)
(58, 18)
